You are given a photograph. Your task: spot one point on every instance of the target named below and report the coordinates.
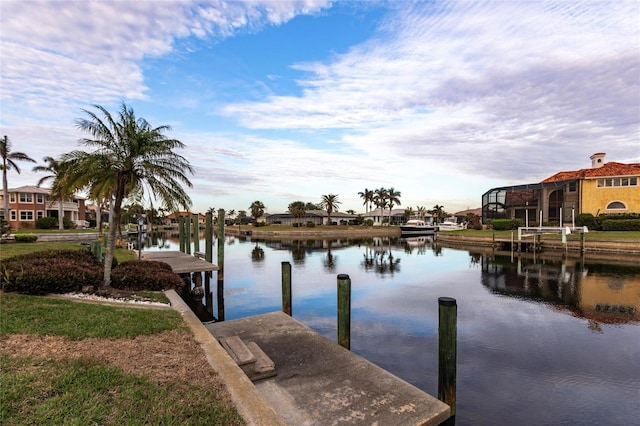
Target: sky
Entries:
(288, 100)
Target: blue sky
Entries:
(280, 101)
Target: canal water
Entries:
(541, 340)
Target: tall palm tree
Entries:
(380, 199)
(393, 197)
(367, 197)
(421, 211)
(438, 212)
(9, 162)
(257, 210)
(329, 203)
(408, 213)
(297, 210)
(130, 156)
(55, 170)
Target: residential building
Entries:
(317, 217)
(603, 188)
(27, 204)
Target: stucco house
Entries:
(30, 203)
(603, 188)
(317, 217)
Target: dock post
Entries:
(196, 232)
(582, 242)
(181, 232)
(187, 235)
(208, 238)
(447, 335)
(344, 311)
(221, 265)
(286, 288)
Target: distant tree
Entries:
(393, 198)
(408, 213)
(9, 162)
(241, 215)
(438, 212)
(329, 203)
(297, 210)
(351, 211)
(367, 196)
(312, 206)
(55, 170)
(421, 212)
(257, 210)
(380, 199)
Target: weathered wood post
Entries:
(221, 265)
(181, 233)
(344, 311)
(196, 232)
(187, 235)
(447, 335)
(582, 237)
(286, 288)
(208, 238)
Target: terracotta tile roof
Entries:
(608, 169)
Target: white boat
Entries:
(449, 226)
(417, 227)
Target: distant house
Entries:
(379, 216)
(317, 217)
(27, 204)
(603, 188)
(173, 218)
(461, 216)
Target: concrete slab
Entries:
(319, 382)
(181, 263)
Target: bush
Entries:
(296, 224)
(53, 271)
(311, 225)
(586, 219)
(26, 238)
(47, 222)
(26, 225)
(506, 224)
(368, 222)
(145, 275)
(621, 225)
(68, 223)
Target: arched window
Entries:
(616, 205)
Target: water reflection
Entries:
(608, 294)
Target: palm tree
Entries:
(257, 210)
(297, 209)
(9, 162)
(438, 212)
(380, 199)
(130, 156)
(408, 213)
(330, 204)
(54, 168)
(367, 196)
(421, 211)
(393, 198)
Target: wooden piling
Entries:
(344, 311)
(208, 238)
(221, 265)
(187, 235)
(286, 288)
(447, 336)
(181, 233)
(196, 232)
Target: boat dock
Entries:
(318, 382)
(181, 263)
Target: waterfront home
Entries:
(317, 217)
(27, 204)
(603, 188)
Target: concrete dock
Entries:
(319, 382)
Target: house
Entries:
(27, 204)
(603, 188)
(317, 217)
(172, 219)
(380, 216)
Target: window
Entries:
(573, 186)
(26, 215)
(12, 215)
(39, 214)
(613, 182)
(616, 205)
(26, 197)
(40, 198)
(12, 197)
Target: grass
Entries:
(8, 250)
(591, 235)
(53, 231)
(45, 316)
(77, 390)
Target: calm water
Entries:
(540, 341)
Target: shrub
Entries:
(47, 222)
(53, 271)
(145, 275)
(26, 238)
(621, 225)
(68, 223)
(311, 224)
(586, 219)
(368, 222)
(506, 224)
(26, 225)
(296, 224)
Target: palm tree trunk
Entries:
(60, 215)
(5, 194)
(111, 243)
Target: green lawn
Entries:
(13, 249)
